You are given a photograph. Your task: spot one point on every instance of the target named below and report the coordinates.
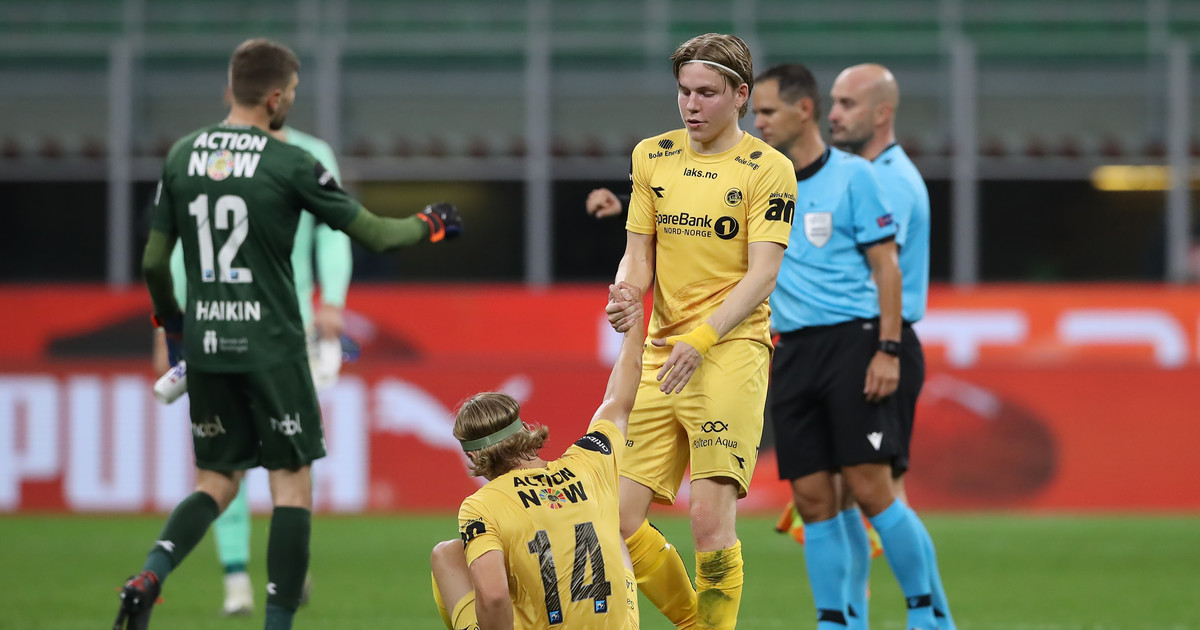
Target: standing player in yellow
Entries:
(542, 540)
(709, 220)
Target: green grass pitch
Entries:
(1003, 572)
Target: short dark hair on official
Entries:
(259, 66)
(795, 82)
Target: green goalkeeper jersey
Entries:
(333, 252)
(234, 195)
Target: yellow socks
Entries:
(663, 578)
(437, 599)
(719, 586)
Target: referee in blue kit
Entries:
(837, 307)
(865, 98)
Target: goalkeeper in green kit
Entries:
(323, 331)
(233, 196)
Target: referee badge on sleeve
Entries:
(818, 227)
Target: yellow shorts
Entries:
(715, 423)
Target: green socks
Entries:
(183, 530)
(287, 563)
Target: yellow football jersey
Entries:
(559, 530)
(704, 211)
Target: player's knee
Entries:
(630, 523)
(443, 555)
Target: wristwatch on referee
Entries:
(890, 347)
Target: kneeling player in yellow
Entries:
(709, 219)
(541, 542)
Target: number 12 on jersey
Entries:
(226, 205)
(587, 548)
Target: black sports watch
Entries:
(890, 347)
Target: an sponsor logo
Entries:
(727, 228)
(666, 144)
(272, 589)
(209, 429)
(884, 220)
(628, 443)
(818, 227)
(714, 426)
(695, 172)
(733, 197)
(289, 426)
(658, 191)
(755, 155)
(471, 530)
(875, 438)
(165, 544)
(741, 461)
(781, 209)
(210, 342)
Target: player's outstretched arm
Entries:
(493, 603)
(627, 371)
(380, 234)
(637, 270)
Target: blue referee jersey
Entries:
(825, 278)
(909, 200)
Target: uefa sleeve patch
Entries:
(325, 179)
(595, 441)
(884, 220)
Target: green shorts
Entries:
(267, 418)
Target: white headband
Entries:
(717, 65)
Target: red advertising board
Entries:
(1037, 397)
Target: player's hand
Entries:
(444, 221)
(172, 327)
(883, 375)
(328, 321)
(680, 366)
(624, 306)
(603, 203)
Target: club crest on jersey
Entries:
(733, 197)
(818, 227)
(220, 165)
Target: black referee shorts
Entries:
(821, 417)
(912, 379)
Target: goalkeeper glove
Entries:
(443, 219)
(172, 326)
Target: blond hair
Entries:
(720, 48)
(484, 414)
